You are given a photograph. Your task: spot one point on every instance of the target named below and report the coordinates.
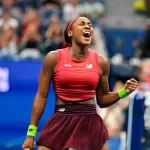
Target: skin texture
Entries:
(78, 51)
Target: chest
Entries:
(79, 75)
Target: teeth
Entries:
(87, 32)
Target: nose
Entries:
(87, 27)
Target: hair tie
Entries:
(68, 29)
(67, 44)
(70, 24)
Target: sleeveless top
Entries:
(76, 80)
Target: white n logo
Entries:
(89, 66)
(61, 109)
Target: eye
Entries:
(81, 23)
(90, 25)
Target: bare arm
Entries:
(104, 97)
(46, 74)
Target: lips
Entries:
(87, 34)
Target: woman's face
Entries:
(81, 32)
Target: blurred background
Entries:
(29, 29)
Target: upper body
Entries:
(68, 75)
(79, 37)
(6, 21)
(9, 41)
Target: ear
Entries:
(70, 33)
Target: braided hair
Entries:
(68, 40)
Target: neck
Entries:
(79, 50)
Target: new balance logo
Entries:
(67, 65)
(89, 66)
(61, 109)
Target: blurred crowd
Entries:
(30, 29)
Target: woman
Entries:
(78, 73)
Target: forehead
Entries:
(82, 19)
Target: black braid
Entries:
(66, 37)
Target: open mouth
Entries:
(87, 34)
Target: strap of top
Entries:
(94, 58)
(61, 57)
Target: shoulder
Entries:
(51, 59)
(102, 60)
(100, 57)
(93, 52)
(103, 63)
(51, 55)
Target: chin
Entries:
(86, 43)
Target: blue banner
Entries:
(18, 87)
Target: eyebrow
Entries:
(85, 22)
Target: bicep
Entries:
(45, 77)
(103, 85)
(44, 83)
